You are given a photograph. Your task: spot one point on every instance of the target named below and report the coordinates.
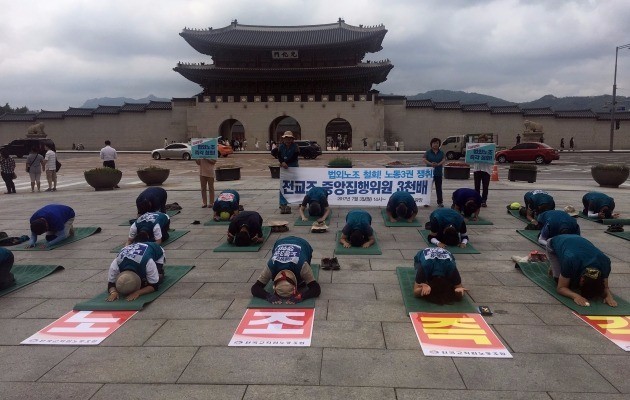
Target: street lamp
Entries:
(614, 99)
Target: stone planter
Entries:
(610, 175)
(275, 171)
(103, 180)
(525, 175)
(153, 177)
(228, 174)
(456, 172)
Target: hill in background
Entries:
(596, 103)
(119, 101)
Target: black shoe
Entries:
(484, 205)
(335, 264)
(326, 263)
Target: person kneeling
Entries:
(437, 277)
(290, 269)
(448, 228)
(358, 231)
(6, 263)
(468, 202)
(317, 201)
(226, 206)
(150, 227)
(55, 220)
(137, 270)
(245, 229)
(401, 206)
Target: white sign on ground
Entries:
(273, 327)
(615, 328)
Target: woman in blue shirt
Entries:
(435, 158)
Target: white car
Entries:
(173, 150)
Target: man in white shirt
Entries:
(50, 165)
(108, 155)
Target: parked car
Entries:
(309, 149)
(528, 151)
(21, 147)
(173, 150)
(225, 150)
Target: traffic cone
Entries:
(495, 174)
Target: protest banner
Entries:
(272, 327)
(615, 328)
(480, 153)
(204, 148)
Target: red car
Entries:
(528, 151)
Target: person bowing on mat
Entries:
(137, 270)
(401, 206)
(437, 277)
(448, 228)
(358, 230)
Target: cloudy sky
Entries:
(57, 54)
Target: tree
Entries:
(7, 109)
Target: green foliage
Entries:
(102, 170)
(153, 168)
(340, 162)
(7, 109)
(529, 167)
(227, 166)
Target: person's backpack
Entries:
(57, 165)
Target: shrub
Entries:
(340, 162)
(529, 167)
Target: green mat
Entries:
(79, 233)
(299, 222)
(479, 221)
(623, 235)
(27, 274)
(469, 249)
(516, 215)
(173, 235)
(620, 221)
(537, 272)
(373, 250)
(172, 274)
(530, 235)
(594, 219)
(406, 279)
(213, 222)
(226, 247)
(390, 224)
(261, 303)
(130, 221)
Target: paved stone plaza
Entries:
(364, 346)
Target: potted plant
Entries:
(227, 172)
(456, 170)
(523, 172)
(610, 175)
(103, 178)
(275, 171)
(153, 175)
(340, 162)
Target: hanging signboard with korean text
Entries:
(204, 148)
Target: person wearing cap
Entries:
(556, 222)
(55, 220)
(316, 200)
(290, 269)
(6, 263)
(137, 270)
(598, 205)
(578, 265)
(447, 228)
(358, 230)
(468, 202)
(226, 205)
(437, 277)
(288, 153)
(245, 229)
(536, 202)
(150, 200)
(150, 227)
(401, 206)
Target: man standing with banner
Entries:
(205, 152)
(481, 157)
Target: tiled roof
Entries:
(284, 37)
(376, 72)
(107, 110)
(16, 117)
(426, 103)
(476, 107)
(447, 105)
(533, 112)
(620, 115)
(133, 107)
(79, 112)
(51, 114)
(576, 114)
(505, 110)
(159, 105)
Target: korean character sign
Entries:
(480, 153)
(204, 148)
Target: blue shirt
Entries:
(289, 154)
(135, 257)
(402, 197)
(461, 196)
(554, 221)
(147, 221)
(537, 198)
(56, 215)
(6, 257)
(156, 196)
(436, 158)
(227, 200)
(435, 261)
(595, 201)
(318, 194)
(575, 254)
(289, 253)
(251, 219)
(358, 220)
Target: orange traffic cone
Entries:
(495, 174)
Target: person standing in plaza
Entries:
(572, 144)
(109, 155)
(50, 165)
(206, 178)
(518, 138)
(481, 175)
(165, 142)
(34, 164)
(435, 158)
(288, 153)
(7, 167)
(562, 144)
